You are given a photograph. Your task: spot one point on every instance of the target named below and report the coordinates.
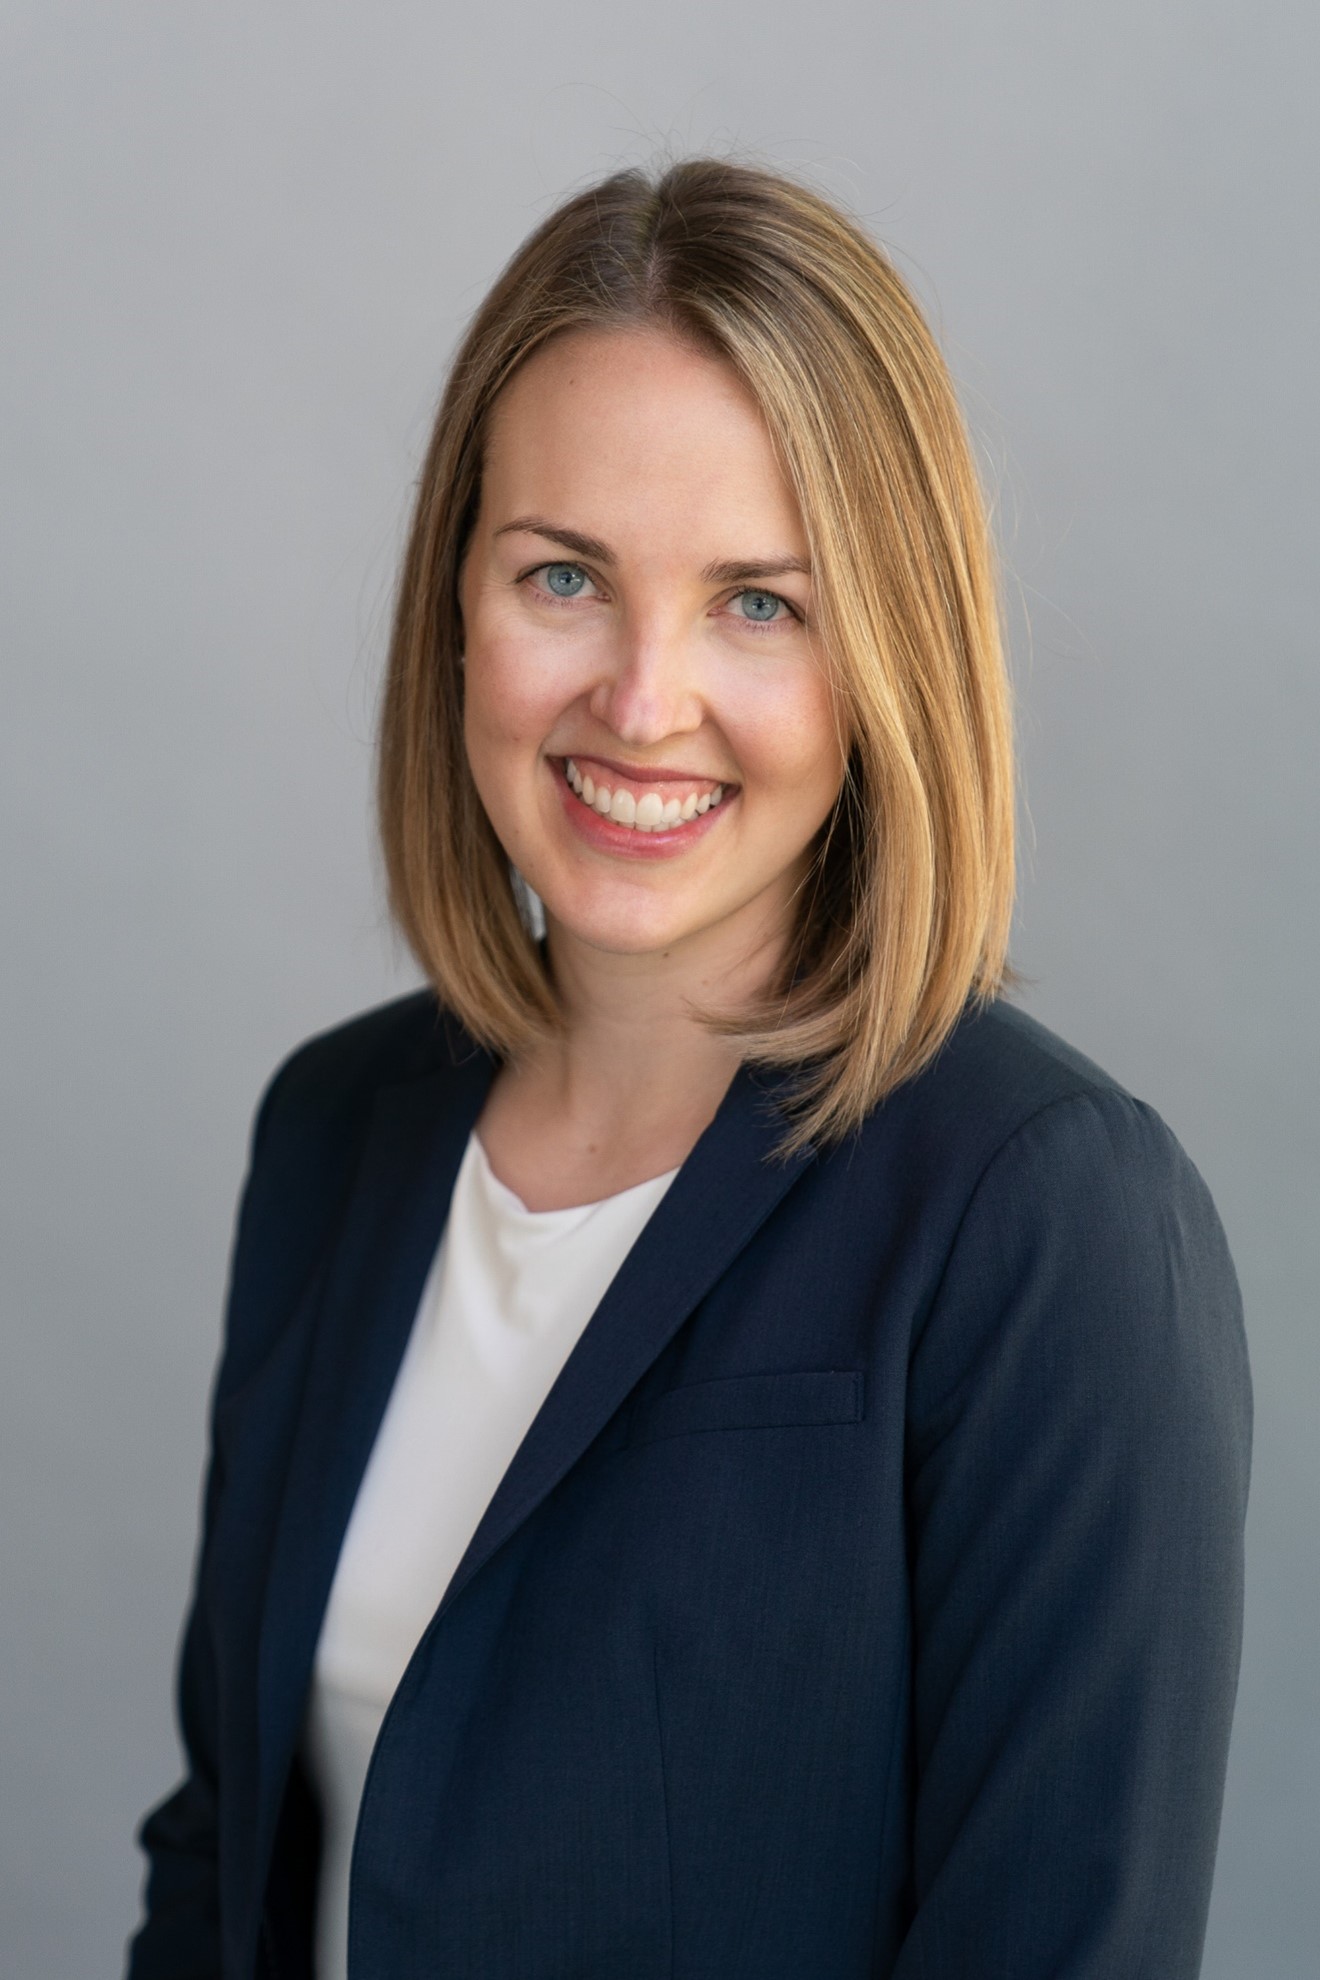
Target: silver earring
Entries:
(530, 910)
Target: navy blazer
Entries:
(863, 1601)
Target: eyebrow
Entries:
(730, 571)
(571, 539)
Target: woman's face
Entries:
(648, 719)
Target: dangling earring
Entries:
(530, 910)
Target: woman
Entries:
(730, 1451)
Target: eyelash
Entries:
(752, 625)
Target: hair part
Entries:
(905, 913)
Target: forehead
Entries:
(625, 432)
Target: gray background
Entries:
(238, 243)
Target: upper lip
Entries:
(646, 773)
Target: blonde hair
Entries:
(906, 910)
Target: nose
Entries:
(648, 689)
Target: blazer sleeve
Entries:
(1078, 1444)
(179, 1938)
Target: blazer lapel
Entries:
(367, 1302)
(718, 1200)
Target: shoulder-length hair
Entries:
(905, 913)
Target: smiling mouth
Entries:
(638, 808)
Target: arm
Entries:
(179, 1938)
(1078, 1447)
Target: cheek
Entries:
(514, 691)
(794, 749)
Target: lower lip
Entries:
(606, 836)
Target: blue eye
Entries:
(565, 580)
(759, 606)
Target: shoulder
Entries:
(310, 1127)
(1082, 1249)
(1042, 1200)
(999, 1067)
(1004, 1093)
(334, 1074)
(317, 1105)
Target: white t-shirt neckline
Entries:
(518, 1209)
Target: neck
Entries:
(634, 1078)
(634, 1045)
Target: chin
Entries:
(620, 937)
(623, 928)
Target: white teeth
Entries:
(648, 813)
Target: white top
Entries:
(508, 1294)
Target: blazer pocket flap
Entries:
(751, 1402)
